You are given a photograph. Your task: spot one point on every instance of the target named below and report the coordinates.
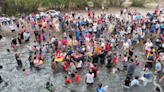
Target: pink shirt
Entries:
(74, 42)
(64, 41)
(162, 37)
(31, 22)
(49, 23)
(87, 35)
(43, 19)
(36, 62)
(44, 24)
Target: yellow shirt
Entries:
(69, 43)
(103, 8)
(153, 50)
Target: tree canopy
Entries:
(10, 7)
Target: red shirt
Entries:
(31, 22)
(94, 70)
(89, 12)
(40, 23)
(76, 78)
(106, 47)
(65, 66)
(67, 80)
(22, 30)
(57, 51)
(98, 20)
(39, 39)
(156, 11)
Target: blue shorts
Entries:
(134, 41)
(159, 72)
(127, 87)
(146, 75)
(141, 38)
(74, 46)
(144, 30)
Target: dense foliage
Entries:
(140, 3)
(27, 6)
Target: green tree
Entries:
(140, 3)
(11, 7)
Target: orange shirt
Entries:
(97, 48)
(67, 80)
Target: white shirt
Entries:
(79, 64)
(126, 45)
(57, 25)
(148, 45)
(52, 40)
(29, 47)
(35, 44)
(37, 16)
(129, 41)
(90, 78)
(157, 25)
(8, 19)
(94, 29)
(12, 28)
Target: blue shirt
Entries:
(84, 31)
(152, 27)
(77, 34)
(157, 66)
(43, 37)
(134, 82)
(80, 40)
(25, 36)
(162, 25)
(70, 51)
(60, 16)
(98, 89)
(138, 16)
(78, 50)
(82, 22)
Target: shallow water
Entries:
(35, 81)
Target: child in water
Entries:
(136, 60)
(114, 59)
(13, 46)
(67, 80)
(76, 77)
(25, 71)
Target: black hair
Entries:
(65, 77)
(158, 89)
(23, 70)
(136, 56)
(47, 83)
(8, 50)
(131, 60)
(151, 52)
(100, 85)
(136, 77)
(1, 66)
(118, 69)
(29, 57)
(146, 65)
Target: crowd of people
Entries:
(91, 40)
